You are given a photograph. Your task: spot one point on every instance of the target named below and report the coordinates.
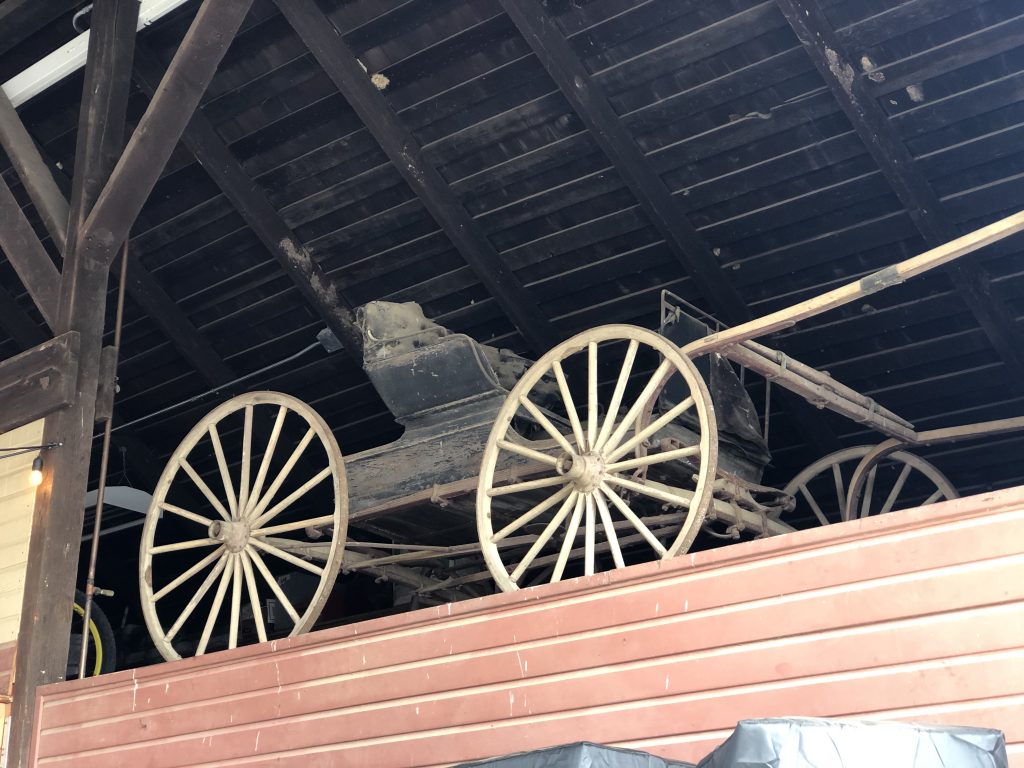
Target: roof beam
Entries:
(260, 215)
(28, 257)
(884, 144)
(349, 77)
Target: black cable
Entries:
(18, 450)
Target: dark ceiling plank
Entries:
(591, 103)
(897, 165)
(39, 183)
(28, 257)
(262, 218)
(20, 19)
(349, 77)
(17, 322)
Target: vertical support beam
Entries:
(57, 522)
(28, 257)
(349, 77)
(884, 144)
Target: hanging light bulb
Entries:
(36, 476)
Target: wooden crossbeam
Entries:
(882, 141)
(28, 257)
(38, 382)
(349, 77)
(315, 285)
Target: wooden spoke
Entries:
(896, 488)
(286, 527)
(225, 474)
(272, 583)
(291, 498)
(609, 530)
(545, 536)
(647, 490)
(654, 458)
(589, 535)
(172, 585)
(243, 480)
(936, 495)
(666, 418)
(529, 485)
(263, 503)
(570, 407)
(528, 453)
(620, 390)
(569, 540)
(837, 476)
(545, 422)
(236, 601)
(592, 414)
(270, 549)
(199, 595)
(202, 486)
(218, 601)
(812, 502)
(630, 515)
(533, 513)
(646, 394)
(869, 488)
(182, 545)
(254, 596)
(182, 512)
(268, 455)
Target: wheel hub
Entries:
(234, 535)
(586, 471)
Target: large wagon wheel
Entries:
(270, 456)
(903, 480)
(593, 465)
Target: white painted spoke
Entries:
(896, 488)
(294, 496)
(812, 502)
(589, 536)
(236, 601)
(666, 418)
(272, 583)
(218, 601)
(172, 585)
(592, 414)
(638, 405)
(182, 512)
(199, 595)
(647, 490)
(202, 486)
(270, 549)
(533, 513)
(544, 536)
(569, 540)
(545, 422)
(630, 515)
(254, 596)
(933, 498)
(264, 502)
(243, 481)
(609, 530)
(268, 455)
(617, 393)
(528, 453)
(869, 489)
(225, 474)
(837, 476)
(286, 527)
(182, 545)
(570, 407)
(529, 485)
(654, 458)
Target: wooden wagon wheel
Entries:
(586, 476)
(255, 522)
(901, 481)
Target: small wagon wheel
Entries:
(901, 481)
(265, 456)
(585, 472)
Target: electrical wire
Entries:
(18, 450)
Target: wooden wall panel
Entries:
(6, 667)
(918, 615)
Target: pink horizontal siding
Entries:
(918, 615)
(7, 666)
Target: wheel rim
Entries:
(901, 481)
(203, 561)
(582, 467)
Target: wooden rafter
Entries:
(884, 144)
(315, 285)
(26, 254)
(405, 152)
